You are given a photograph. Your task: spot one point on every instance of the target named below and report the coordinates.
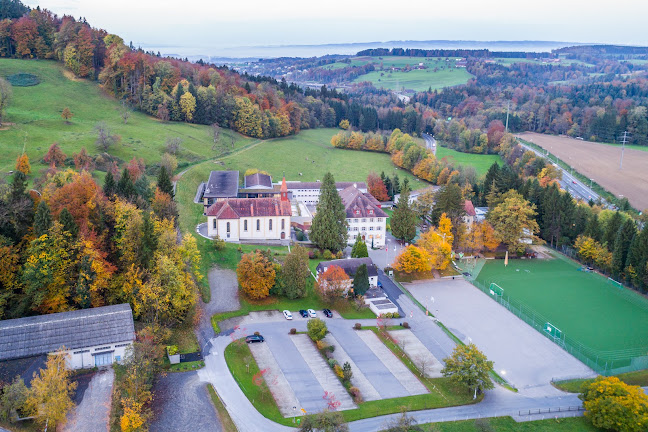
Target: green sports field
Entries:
(611, 323)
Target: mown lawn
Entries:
(417, 80)
(507, 424)
(639, 378)
(479, 161)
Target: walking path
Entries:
(418, 353)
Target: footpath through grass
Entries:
(584, 306)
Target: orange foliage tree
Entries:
(377, 187)
(55, 155)
(413, 259)
(256, 275)
(332, 284)
(437, 246)
(22, 164)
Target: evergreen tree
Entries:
(17, 212)
(361, 280)
(68, 223)
(593, 228)
(143, 189)
(403, 220)
(295, 273)
(449, 200)
(109, 184)
(396, 184)
(164, 182)
(637, 270)
(329, 228)
(612, 229)
(42, 219)
(125, 186)
(491, 176)
(359, 249)
(389, 186)
(622, 246)
(148, 243)
(85, 279)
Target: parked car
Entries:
(379, 284)
(303, 313)
(312, 313)
(254, 338)
(328, 313)
(287, 314)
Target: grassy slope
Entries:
(639, 378)
(479, 161)
(507, 424)
(36, 112)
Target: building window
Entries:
(370, 228)
(215, 224)
(228, 227)
(355, 220)
(283, 224)
(102, 348)
(81, 352)
(355, 228)
(371, 220)
(379, 219)
(364, 220)
(363, 229)
(122, 345)
(370, 211)
(355, 236)
(378, 228)
(270, 225)
(258, 224)
(245, 225)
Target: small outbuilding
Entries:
(90, 337)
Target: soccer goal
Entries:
(615, 283)
(554, 332)
(496, 290)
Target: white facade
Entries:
(99, 355)
(311, 195)
(370, 229)
(249, 228)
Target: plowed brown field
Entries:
(601, 163)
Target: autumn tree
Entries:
(328, 420)
(83, 161)
(359, 249)
(55, 155)
(332, 284)
(445, 229)
(22, 164)
(50, 396)
(316, 329)
(513, 220)
(439, 249)
(344, 124)
(403, 220)
(256, 275)
(611, 404)
(13, 398)
(126, 112)
(329, 227)
(481, 236)
(377, 187)
(413, 259)
(105, 138)
(188, 106)
(294, 273)
(469, 367)
(66, 114)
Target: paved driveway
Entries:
(182, 403)
(93, 400)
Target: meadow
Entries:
(607, 323)
(480, 162)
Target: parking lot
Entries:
(298, 376)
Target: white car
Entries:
(287, 314)
(312, 313)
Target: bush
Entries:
(332, 362)
(300, 236)
(483, 425)
(357, 326)
(338, 371)
(355, 393)
(219, 243)
(316, 329)
(172, 349)
(311, 253)
(293, 331)
(395, 315)
(406, 325)
(339, 255)
(321, 345)
(327, 255)
(257, 333)
(330, 348)
(317, 254)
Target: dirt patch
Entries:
(6, 126)
(601, 163)
(70, 75)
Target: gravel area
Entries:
(182, 403)
(224, 298)
(91, 412)
(275, 379)
(417, 352)
(395, 366)
(358, 379)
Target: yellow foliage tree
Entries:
(344, 124)
(132, 420)
(611, 404)
(413, 259)
(438, 248)
(586, 247)
(188, 105)
(22, 164)
(445, 228)
(256, 275)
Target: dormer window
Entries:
(357, 212)
(371, 212)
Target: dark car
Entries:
(328, 313)
(303, 313)
(254, 338)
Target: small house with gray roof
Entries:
(90, 337)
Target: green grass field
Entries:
(507, 424)
(612, 322)
(479, 161)
(36, 116)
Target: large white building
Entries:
(250, 218)
(364, 217)
(89, 337)
(309, 192)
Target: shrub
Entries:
(311, 253)
(327, 255)
(395, 315)
(316, 329)
(219, 243)
(483, 425)
(332, 362)
(339, 255)
(317, 254)
(357, 326)
(347, 372)
(293, 331)
(172, 349)
(406, 325)
(338, 371)
(355, 393)
(330, 348)
(321, 344)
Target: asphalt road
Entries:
(430, 143)
(570, 183)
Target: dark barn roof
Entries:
(257, 180)
(222, 184)
(349, 265)
(31, 336)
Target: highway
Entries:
(430, 143)
(570, 183)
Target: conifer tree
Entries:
(403, 220)
(329, 228)
(637, 262)
(164, 182)
(125, 186)
(42, 219)
(593, 228)
(68, 223)
(148, 243)
(622, 246)
(361, 280)
(396, 184)
(109, 184)
(359, 249)
(612, 229)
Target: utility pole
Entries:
(508, 106)
(624, 141)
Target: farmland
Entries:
(601, 163)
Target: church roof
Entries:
(249, 207)
(358, 204)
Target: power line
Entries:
(624, 141)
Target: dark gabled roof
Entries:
(222, 184)
(275, 189)
(317, 185)
(42, 334)
(249, 207)
(257, 180)
(349, 265)
(358, 204)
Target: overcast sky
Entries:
(214, 24)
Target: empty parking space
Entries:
(418, 353)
